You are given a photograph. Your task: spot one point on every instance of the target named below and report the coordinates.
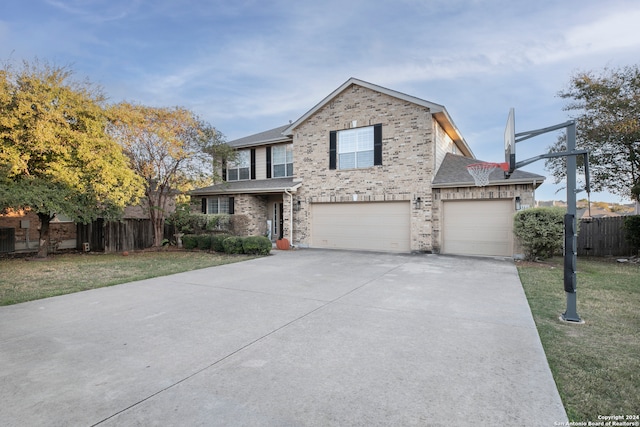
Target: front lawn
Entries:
(26, 279)
(596, 365)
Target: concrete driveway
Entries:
(300, 338)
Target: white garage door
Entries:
(478, 227)
(380, 226)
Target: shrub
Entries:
(216, 242)
(232, 245)
(199, 223)
(190, 241)
(632, 230)
(540, 230)
(237, 225)
(256, 245)
(204, 241)
(212, 222)
(223, 221)
(180, 219)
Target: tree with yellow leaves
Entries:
(55, 154)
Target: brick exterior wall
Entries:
(255, 208)
(407, 160)
(62, 234)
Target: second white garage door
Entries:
(478, 227)
(380, 226)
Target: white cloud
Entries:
(618, 30)
(96, 10)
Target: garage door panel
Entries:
(478, 227)
(383, 226)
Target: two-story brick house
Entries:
(370, 168)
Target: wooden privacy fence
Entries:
(117, 236)
(602, 237)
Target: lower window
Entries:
(218, 205)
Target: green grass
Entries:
(30, 279)
(596, 365)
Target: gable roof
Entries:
(453, 173)
(271, 136)
(438, 111)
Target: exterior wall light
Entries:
(518, 204)
(417, 202)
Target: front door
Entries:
(278, 220)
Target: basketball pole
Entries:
(570, 230)
(570, 221)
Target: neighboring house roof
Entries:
(453, 173)
(438, 111)
(272, 185)
(596, 212)
(271, 136)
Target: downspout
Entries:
(534, 194)
(286, 190)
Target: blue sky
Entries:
(250, 65)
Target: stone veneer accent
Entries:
(408, 160)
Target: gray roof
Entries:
(270, 136)
(453, 173)
(438, 111)
(253, 186)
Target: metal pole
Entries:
(571, 237)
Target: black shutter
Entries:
(332, 149)
(268, 162)
(377, 144)
(224, 170)
(253, 163)
(231, 206)
(204, 205)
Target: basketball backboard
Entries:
(510, 142)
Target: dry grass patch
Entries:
(25, 280)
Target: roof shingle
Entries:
(269, 136)
(453, 173)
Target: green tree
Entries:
(606, 107)
(55, 156)
(171, 149)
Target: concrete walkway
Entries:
(300, 338)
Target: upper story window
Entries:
(282, 160)
(355, 148)
(240, 168)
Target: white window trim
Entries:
(288, 149)
(355, 133)
(242, 162)
(217, 199)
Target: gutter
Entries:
(263, 142)
(204, 192)
(509, 181)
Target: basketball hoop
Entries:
(481, 171)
